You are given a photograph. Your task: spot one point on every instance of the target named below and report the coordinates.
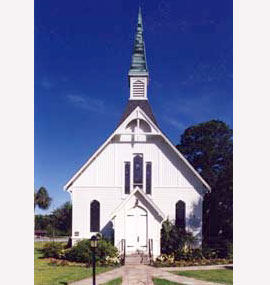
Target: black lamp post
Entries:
(93, 245)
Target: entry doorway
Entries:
(136, 230)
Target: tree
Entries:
(42, 198)
(209, 148)
(42, 222)
(63, 218)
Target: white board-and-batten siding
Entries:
(103, 180)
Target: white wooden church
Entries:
(137, 178)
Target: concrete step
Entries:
(136, 259)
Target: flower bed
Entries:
(195, 262)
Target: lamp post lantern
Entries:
(93, 245)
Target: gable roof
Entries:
(132, 105)
(178, 153)
(148, 200)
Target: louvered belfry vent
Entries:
(138, 89)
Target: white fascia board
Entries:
(81, 170)
(186, 162)
(170, 144)
(150, 201)
(137, 113)
(129, 197)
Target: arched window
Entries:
(180, 215)
(138, 170)
(94, 216)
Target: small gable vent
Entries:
(138, 89)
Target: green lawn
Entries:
(117, 281)
(158, 281)
(46, 274)
(224, 276)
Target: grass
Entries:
(158, 281)
(224, 276)
(46, 274)
(116, 281)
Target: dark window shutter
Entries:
(148, 178)
(127, 177)
(180, 215)
(95, 216)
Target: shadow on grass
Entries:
(229, 267)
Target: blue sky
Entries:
(82, 56)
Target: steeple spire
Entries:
(138, 72)
(138, 63)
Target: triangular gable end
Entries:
(124, 123)
(129, 118)
(97, 152)
(137, 113)
(144, 196)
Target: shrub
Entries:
(209, 253)
(219, 248)
(82, 252)
(105, 248)
(174, 239)
(52, 249)
(167, 258)
(189, 254)
(112, 260)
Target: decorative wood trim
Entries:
(81, 170)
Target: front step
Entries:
(136, 259)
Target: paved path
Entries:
(202, 267)
(101, 278)
(143, 274)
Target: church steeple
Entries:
(138, 72)
(138, 62)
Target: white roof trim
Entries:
(92, 157)
(145, 117)
(81, 170)
(187, 163)
(161, 214)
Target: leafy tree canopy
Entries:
(63, 218)
(42, 198)
(209, 148)
(58, 223)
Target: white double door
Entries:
(136, 230)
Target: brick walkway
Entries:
(143, 274)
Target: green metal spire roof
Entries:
(138, 62)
